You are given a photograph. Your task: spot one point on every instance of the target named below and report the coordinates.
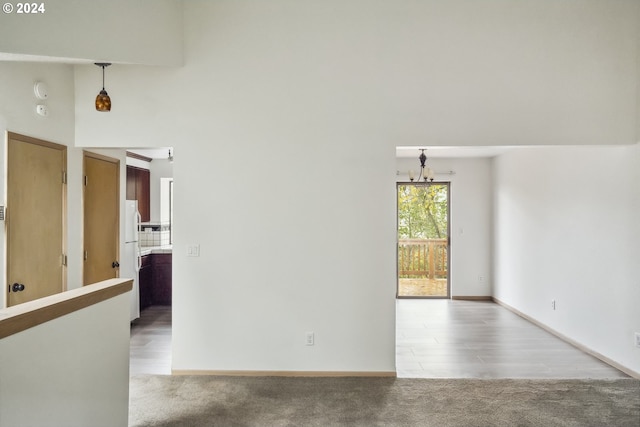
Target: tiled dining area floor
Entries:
(435, 338)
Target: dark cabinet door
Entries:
(139, 188)
(162, 279)
(145, 278)
(143, 193)
(131, 183)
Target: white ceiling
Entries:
(153, 153)
(401, 152)
(39, 58)
(448, 152)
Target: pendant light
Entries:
(103, 102)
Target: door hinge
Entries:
(64, 177)
(86, 180)
(86, 255)
(64, 260)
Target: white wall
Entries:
(159, 168)
(286, 116)
(72, 371)
(428, 72)
(138, 32)
(566, 229)
(143, 164)
(471, 201)
(17, 114)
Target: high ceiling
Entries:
(449, 152)
(401, 152)
(153, 153)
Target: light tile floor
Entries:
(434, 339)
(439, 338)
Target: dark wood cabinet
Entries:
(139, 188)
(145, 279)
(155, 280)
(162, 279)
(143, 194)
(131, 183)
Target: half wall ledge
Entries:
(33, 313)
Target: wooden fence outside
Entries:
(418, 258)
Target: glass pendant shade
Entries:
(103, 102)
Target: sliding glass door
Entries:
(423, 240)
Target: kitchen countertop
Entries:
(147, 250)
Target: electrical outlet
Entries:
(553, 304)
(309, 338)
(480, 278)
(638, 339)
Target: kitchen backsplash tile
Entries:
(155, 235)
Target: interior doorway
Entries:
(423, 240)
(152, 331)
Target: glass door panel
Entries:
(423, 240)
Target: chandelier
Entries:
(425, 173)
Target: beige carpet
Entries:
(276, 401)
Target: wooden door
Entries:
(36, 218)
(101, 217)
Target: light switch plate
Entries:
(309, 338)
(193, 250)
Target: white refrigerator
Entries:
(130, 262)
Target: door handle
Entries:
(17, 287)
(115, 264)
